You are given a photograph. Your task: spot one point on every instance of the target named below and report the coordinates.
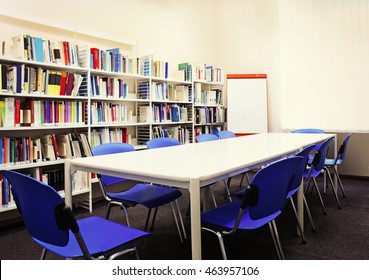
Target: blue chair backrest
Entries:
(39, 205)
(206, 137)
(308, 130)
(111, 148)
(273, 183)
(224, 134)
(321, 154)
(162, 142)
(304, 153)
(343, 148)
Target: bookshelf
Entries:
(80, 89)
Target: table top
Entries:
(203, 161)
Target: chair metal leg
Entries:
(333, 187)
(276, 241)
(320, 196)
(147, 219)
(213, 196)
(221, 244)
(340, 182)
(176, 222)
(181, 220)
(303, 240)
(309, 214)
(228, 193)
(43, 254)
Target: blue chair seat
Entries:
(225, 217)
(100, 235)
(150, 196)
(52, 224)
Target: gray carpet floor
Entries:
(341, 234)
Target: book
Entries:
(39, 50)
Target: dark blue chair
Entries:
(224, 134)
(261, 204)
(53, 226)
(316, 167)
(204, 137)
(333, 163)
(150, 196)
(162, 142)
(308, 130)
(295, 185)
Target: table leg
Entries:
(195, 219)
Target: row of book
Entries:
(109, 113)
(169, 113)
(207, 97)
(199, 72)
(170, 92)
(209, 115)
(27, 47)
(108, 87)
(110, 135)
(177, 132)
(38, 80)
(48, 147)
(112, 60)
(15, 112)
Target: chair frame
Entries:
(250, 200)
(123, 204)
(53, 226)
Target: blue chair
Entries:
(308, 130)
(162, 142)
(316, 168)
(204, 137)
(53, 226)
(150, 196)
(260, 205)
(295, 185)
(331, 163)
(224, 134)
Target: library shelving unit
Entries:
(209, 109)
(64, 90)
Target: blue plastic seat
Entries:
(316, 167)
(150, 196)
(53, 226)
(333, 163)
(162, 142)
(312, 131)
(260, 205)
(224, 134)
(204, 137)
(295, 185)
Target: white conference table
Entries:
(193, 166)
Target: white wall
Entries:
(177, 31)
(248, 43)
(243, 36)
